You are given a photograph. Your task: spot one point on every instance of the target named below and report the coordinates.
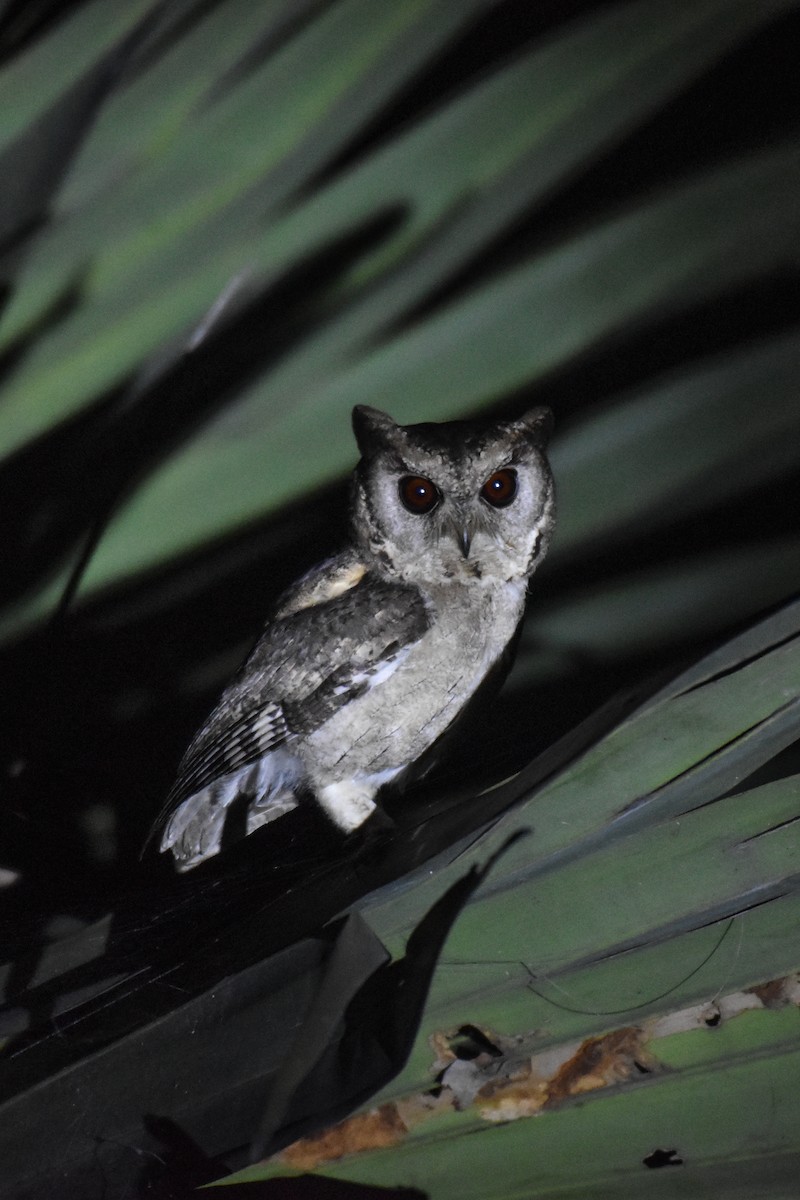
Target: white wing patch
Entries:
(376, 674)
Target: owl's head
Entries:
(464, 500)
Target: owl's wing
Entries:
(326, 646)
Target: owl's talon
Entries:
(379, 824)
(366, 845)
(376, 831)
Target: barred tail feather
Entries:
(194, 831)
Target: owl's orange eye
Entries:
(500, 488)
(418, 494)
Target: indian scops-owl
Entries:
(371, 656)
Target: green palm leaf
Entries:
(648, 887)
(383, 209)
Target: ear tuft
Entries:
(373, 429)
(537, 424)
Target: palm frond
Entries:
(222, 224)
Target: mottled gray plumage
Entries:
(373, 654)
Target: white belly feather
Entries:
(377, 735)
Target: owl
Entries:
(373, 654)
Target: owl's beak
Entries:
(462, 526)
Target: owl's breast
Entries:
(390, 725)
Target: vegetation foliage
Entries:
(223, 224)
